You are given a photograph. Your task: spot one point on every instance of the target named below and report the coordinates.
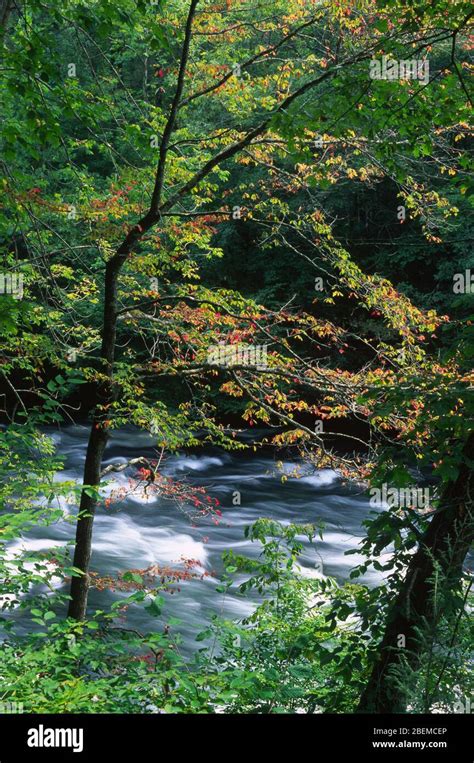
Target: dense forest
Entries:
(238, 228)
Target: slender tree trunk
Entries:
(98, 437)
(85, 522)
(444, 548)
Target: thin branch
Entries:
(169, 127)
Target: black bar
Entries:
(159, 737)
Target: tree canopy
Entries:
(228, 215)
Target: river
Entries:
(140, 531)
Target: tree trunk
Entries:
(443, 547)
(106, 392)
(98, 437)
(82, 552)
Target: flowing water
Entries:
(141, 530)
